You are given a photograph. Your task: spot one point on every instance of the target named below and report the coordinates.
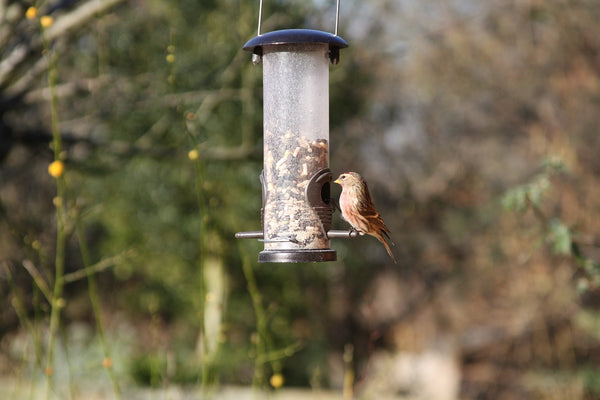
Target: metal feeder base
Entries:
(296, 256)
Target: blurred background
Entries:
(130, 149)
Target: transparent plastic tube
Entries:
(296, 142)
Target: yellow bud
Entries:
(276, 381)
(193, 154)
(56, 168)
(107, 363)
(31, 13)
(46, 21)
(170, 58)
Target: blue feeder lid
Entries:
(297, 36)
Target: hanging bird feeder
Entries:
(297, 208)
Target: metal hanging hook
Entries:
(337, 16)
(259, 16)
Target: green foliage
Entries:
(158, 369)
(531, 194)
(591, 379)
(519, 198)
(147, 369)
(560, 237)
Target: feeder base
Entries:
(296, 256)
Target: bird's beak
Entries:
(337, 181)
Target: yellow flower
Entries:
(193, 154)
(170, 58)
(56, 168)
(46, 21)
(276, 381)
(31, 13)
(107, 363)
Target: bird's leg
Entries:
(353, 229)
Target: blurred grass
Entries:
(16, 392)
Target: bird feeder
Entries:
(297, 209)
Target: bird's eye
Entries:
(343, 177)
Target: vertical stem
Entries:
(215, 283)
(210, 253)
(171, 59)
(52, 71)
(204, 219)
(261, 319)
(56, 302)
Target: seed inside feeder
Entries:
(290, 218)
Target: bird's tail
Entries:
(387, 247)
(387, 236)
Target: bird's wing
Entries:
(372, 218)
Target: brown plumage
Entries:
(359, 211)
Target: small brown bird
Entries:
(359, 211)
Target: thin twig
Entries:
(276, 355)
(38, 279)
(98, 267)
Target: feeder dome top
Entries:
(295, 36)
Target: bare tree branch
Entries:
(79, 16)
(10, 63)
(61, 26)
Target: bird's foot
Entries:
(354, 230)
